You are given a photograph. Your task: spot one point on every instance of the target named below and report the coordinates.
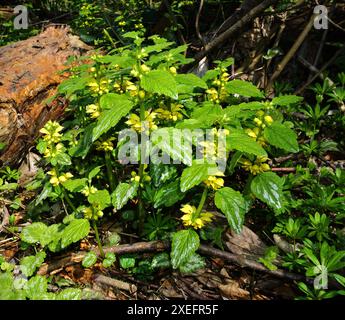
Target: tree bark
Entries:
(30, 72)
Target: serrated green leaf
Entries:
(242, 142)
(33, 233)
(69, 294)
(194, 175)
(94, 172)
(89, 260)
(29, 264)
(127, 262)
(194, 263)
(101, 198)
(188, 82)
(161, 260)
(36, 288)
(232, 111)
(115, 107)
(109, 260)
(123, 193)
(168, 195)
(268, 188)
(161, 82)
(75, 231)
(75, 185)
(286, 100)
(232, 204)
(162, 173)
(281, 137)
(184, 244)
(243, 88)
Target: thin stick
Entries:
(281, 66)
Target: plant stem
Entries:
(68, 199)
(94, 224)
(111, 176)
(141, 174)
(202, 202)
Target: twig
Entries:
(197, 20)
(281, 66)
(235, 28)
(131, 288)
(283, 169)
(326, 65)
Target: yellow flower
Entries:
(55, 180)
(213, 95)
(136, 124)
(88, 213)
(268, 120)
(144, 68)
(106, 146)
(253, 133)
(189, 220)
(173, 70)
(52, 131)
(258, 167)
(88, 190)
(172, 114)
(93, 110)
(100, 87)
(122, 23)
(214, 182)
(53, 151)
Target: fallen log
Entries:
(30, 72)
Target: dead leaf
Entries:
(232, 291)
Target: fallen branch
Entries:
(281, 66)
(131, 288)
(235, 28)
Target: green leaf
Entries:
(89, 260)
(36, 288)
(101, 198)
(162, 173)
(127, 262)
(109, 260)
(115, 107)
(184, 244)
(71, 85)
(29, 264)
(194, 263)
(268, 187)
(168, 195)
(243, 88)
(33, 233)
(242, 142)
(161, 82)
(94, 172)
(122, 194)
(232, 111)
(161, 260)
(187, 82)
(232, 204)
(194, 175)
(209, 113)
(75, 185)
(286, 100)
(75, 231)
(69, 294)
(282, 137)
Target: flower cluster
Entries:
(170, 114)
(190, 220)
(93, 110)
(259, 166)
(126, 86)
(92, 213)
(218, 93)
(56, 180)
(214, 182)
(86, 191)
(261, 120)
(52, 136)
(137, 125)
(106, 146)
(99, 87)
